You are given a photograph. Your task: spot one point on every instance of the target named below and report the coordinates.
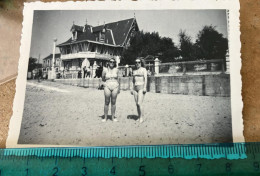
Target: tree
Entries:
(168, 49)
(187, 48)
(32, 64)
(146, 43)
(211, 44)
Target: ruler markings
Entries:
(164, 151)
(168, 151)
(240, 150)
(143, 151)
(161, 151)
(213, 149)
(119, 152)
(88, 153)
(71, 154)
(100, 153)
(91, 152)
(84, 153)
(80, 152)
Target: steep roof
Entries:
(115, 34)
(76, 28)
(51, 55)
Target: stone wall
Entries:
(202, 85)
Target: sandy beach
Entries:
(57, 114)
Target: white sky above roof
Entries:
(168, 23)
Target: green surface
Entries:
(34, 162)
(22, 166)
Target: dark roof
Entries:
(116, 32)
(51, 55)
(76, 28)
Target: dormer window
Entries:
(102, 35)
(74, 35)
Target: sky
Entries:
(48, 25)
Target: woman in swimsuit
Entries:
(111, 88)
(139, 87)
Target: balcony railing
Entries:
(85, 55)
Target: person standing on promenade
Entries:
(111, 88)
(138, 87)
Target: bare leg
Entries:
(140, 104)
(107, 93)
(113, 103)
(136, 101)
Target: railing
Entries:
(127, 71)
(75, 74)
(85, 55)
(216, 65)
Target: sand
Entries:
(57, 114)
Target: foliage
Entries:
(32, 64)
(187, 48)
(211, 44)
(146, 43)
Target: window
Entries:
(93, 49)
(74, 35)
(68, 50)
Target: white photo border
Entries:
(234, 52)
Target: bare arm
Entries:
(132, 82)
(104, 75)
(145, 79)
(118, 79)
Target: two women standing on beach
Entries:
(112, 88)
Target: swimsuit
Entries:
(111, 79)
(139, 78)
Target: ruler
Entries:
(211, 159)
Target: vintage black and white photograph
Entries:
(128, 77)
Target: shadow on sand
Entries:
(109, 117)
(132, 117)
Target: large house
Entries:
(94, 45)
(47, 62)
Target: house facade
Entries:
(93, 46)
(47, 62)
